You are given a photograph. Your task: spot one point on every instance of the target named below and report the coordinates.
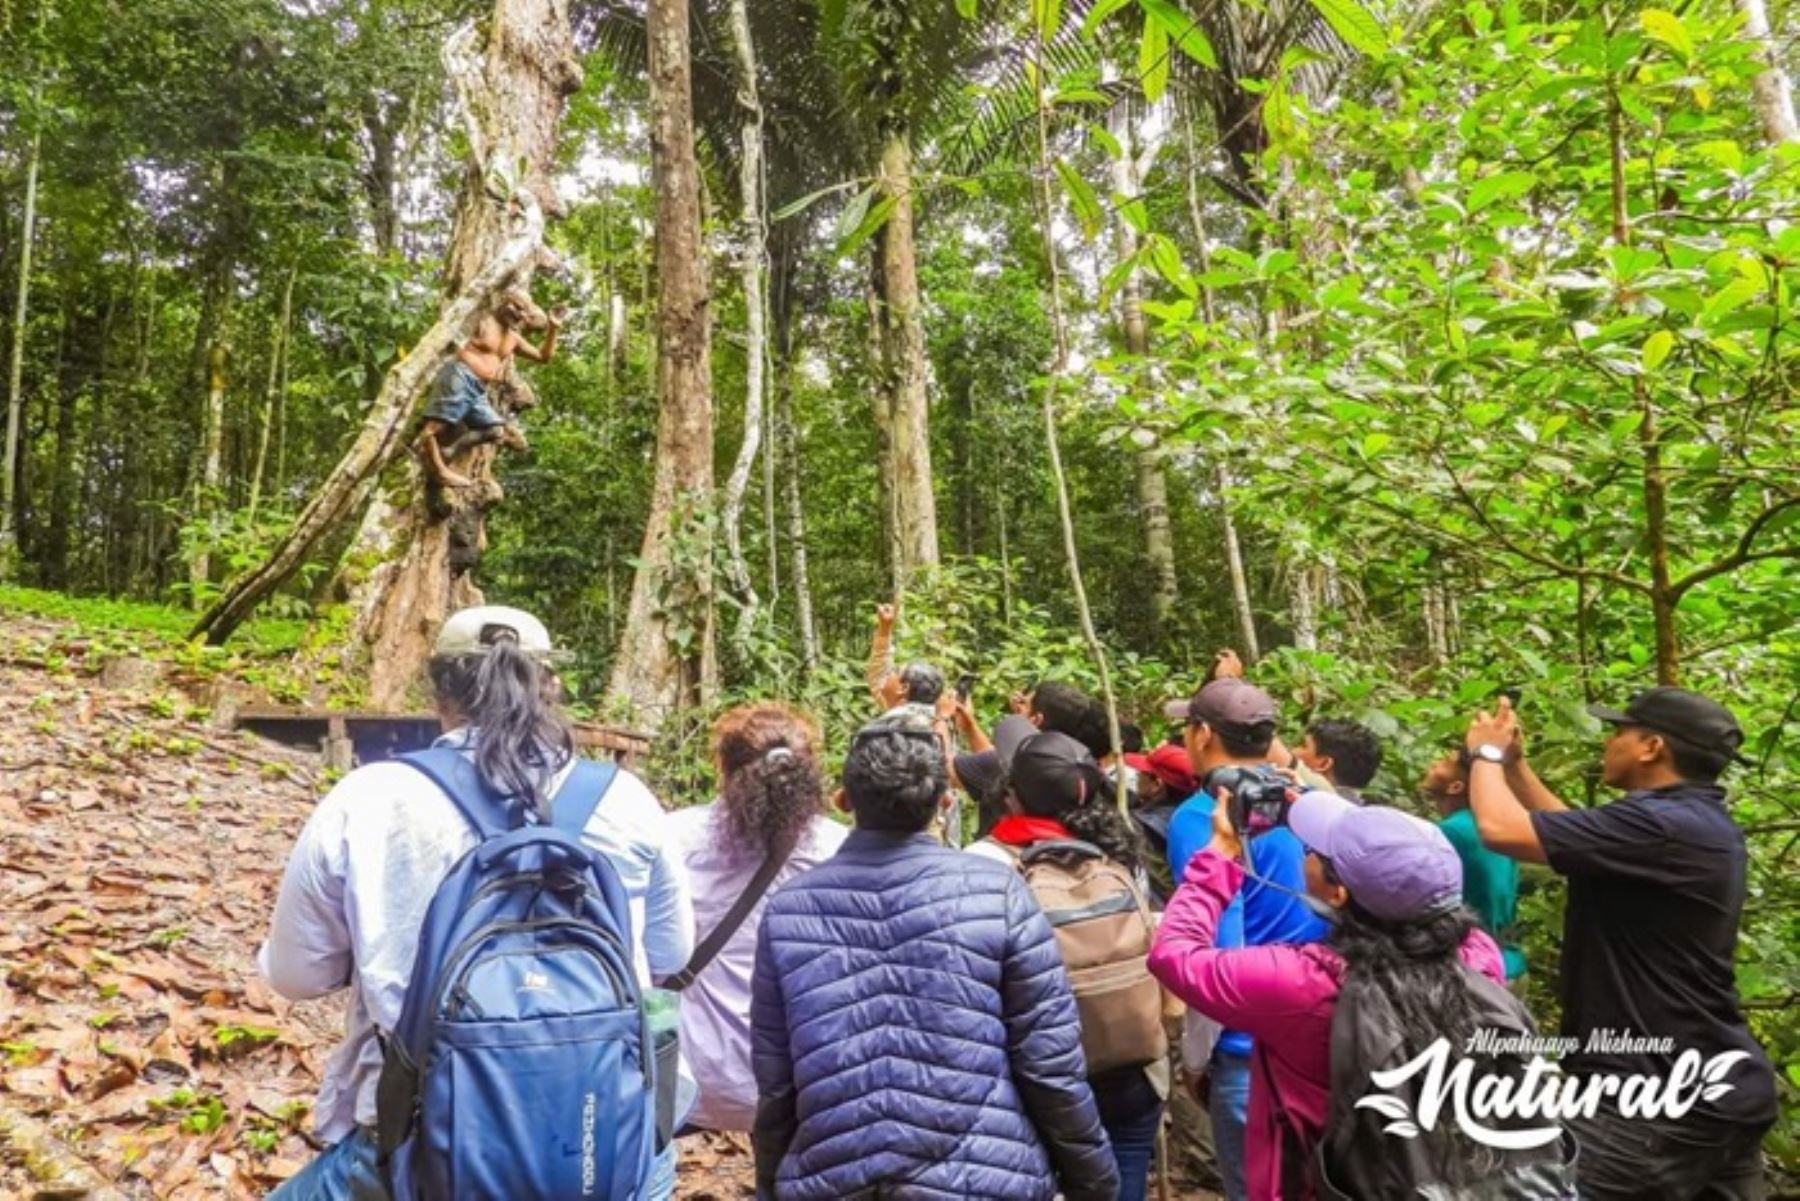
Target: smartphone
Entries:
(964, 687)
(1512, 693)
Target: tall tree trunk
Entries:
(787, 444)
(513, 99)
(1234, 564)
(278, 350)
(1152, 483)
(1234, 557)
(381, 121)
(206, 493)
(1773, 92)
(1303, 606)
(76, 373)
(788, 436)
(666, 658)
(882, 413)
(903, 342)
(15, 371)
(751, 273)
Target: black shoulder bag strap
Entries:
(721, 934)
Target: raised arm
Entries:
(544, 353)
(881, 655)
(1501, 817)
(1043, 1037)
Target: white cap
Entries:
(473, 631)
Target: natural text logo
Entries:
(1540, 1093)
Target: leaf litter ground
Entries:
(140, 1054)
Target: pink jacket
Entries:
(1281, 995)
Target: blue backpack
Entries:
(522, 1067)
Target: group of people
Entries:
(890, 1013)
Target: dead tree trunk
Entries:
(666, 659)
(513, 97)
(754, 252)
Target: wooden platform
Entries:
(347, 737)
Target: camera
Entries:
(1256, 798)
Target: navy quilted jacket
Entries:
(915, 1036)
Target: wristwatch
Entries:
(1490, 752)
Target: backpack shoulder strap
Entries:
(721, 934)
(581, 794)
(452, 772)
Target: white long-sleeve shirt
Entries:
(358, 883)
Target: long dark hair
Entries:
(770, 788)
(509, 697)
(1413, 970)
(1094, 818)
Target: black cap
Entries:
(1702, 724)
(1052, 773)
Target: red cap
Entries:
(1170, 764)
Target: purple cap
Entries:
(1228, 702)
(1397, 866)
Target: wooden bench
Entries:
(347, 737)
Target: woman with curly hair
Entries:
(767, 826)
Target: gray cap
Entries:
(472, 631)
(1228, 702)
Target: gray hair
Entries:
(922, 682)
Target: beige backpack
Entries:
(1103, 928)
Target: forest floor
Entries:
(141, 1056)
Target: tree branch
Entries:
(1743, 554)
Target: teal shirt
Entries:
(1490, 885)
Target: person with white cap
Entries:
(374, 851)
(1392, 887)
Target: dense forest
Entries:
(1417, 350)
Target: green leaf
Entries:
(966, 9)
(1153, 60)
(1048, 16)
(1355, 24)
(1081, 197)
(811, 198)
(1183, 29)
(865, 229)
(1663, 26)
(1099, 13)
(1656, 348)
(1504, 186)
(1374, 444)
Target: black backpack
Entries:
(1371, 1152)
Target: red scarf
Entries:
(1016, 830)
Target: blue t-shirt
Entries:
(1257, 916)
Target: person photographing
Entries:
(1395, 963)
(1656, 891)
